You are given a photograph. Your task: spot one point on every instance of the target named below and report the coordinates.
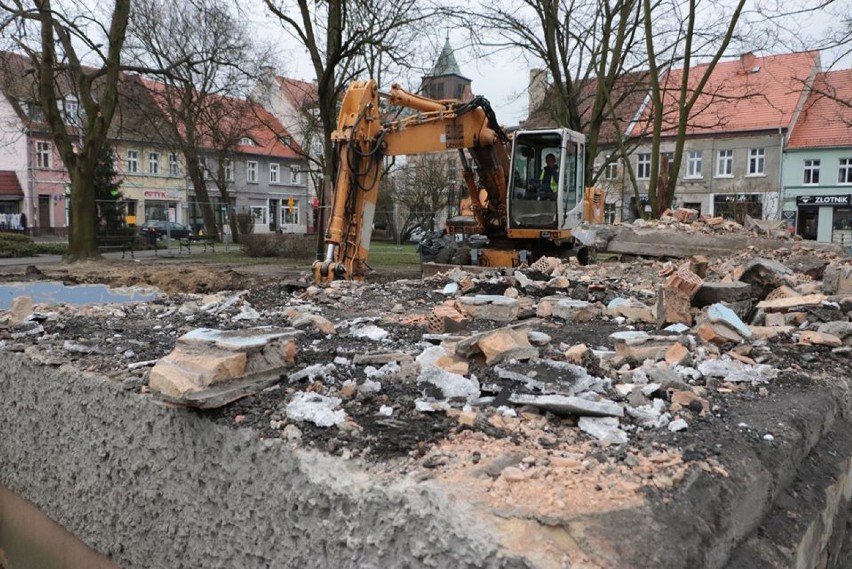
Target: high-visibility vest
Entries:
(554, 179)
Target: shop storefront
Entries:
(825, 218)
(162, 205)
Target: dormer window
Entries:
(71, 111)
(36, 114)
(246, 141)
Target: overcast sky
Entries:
(503, 78)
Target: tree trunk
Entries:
(202, 197)
(81, 241)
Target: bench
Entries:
(188, 242)
(123, 243)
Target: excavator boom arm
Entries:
(362, 140)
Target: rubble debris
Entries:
(409, 372)
(764, 275)
(315, 408)
(569, 405)
(721, 314)
(605, 429)
(370, 331)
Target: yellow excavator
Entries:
(514, 213)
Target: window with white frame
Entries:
(693, 163)
(132, 166)
(251, 172)
(246, 141)
(756, 161)
(174, 170)
(43, 154)
(71, 111)
(725, 163)
(643, 166)
(295, 176)
(258, 214)
(290, 215)
(229, 171)
(611, 170)
(154, 163)
(811, 171)
(844, 174)
(274, 173)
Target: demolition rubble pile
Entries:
(554, 354)
(687, 220)
(683, 233)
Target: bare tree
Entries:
(422, 189)
(342, 38)
(591, 50)
(684, 45)
(198, 52)
(56, 42)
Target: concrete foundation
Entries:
(155, 487)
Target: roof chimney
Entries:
(266, 82)
(537, 88)
(747, 60)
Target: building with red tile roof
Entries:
(736, 132)
(264, 166)
(817, 171)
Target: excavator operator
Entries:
(547, 185)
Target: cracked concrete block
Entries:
(571, 310)
(713, 292)
(314, 321)
(21, 309)
(820, 339)
(642, 346)
(605, 429)
(631, 309)
(569, 405)
(837, 279)
(506, 344)
(719, 334)
(209, 368)
(498, 308)
(789, 303)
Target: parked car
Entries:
(162, 228)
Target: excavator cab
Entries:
(546, 180)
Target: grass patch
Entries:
(389, 255)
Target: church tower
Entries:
(446, 81)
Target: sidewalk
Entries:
(170, 253)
